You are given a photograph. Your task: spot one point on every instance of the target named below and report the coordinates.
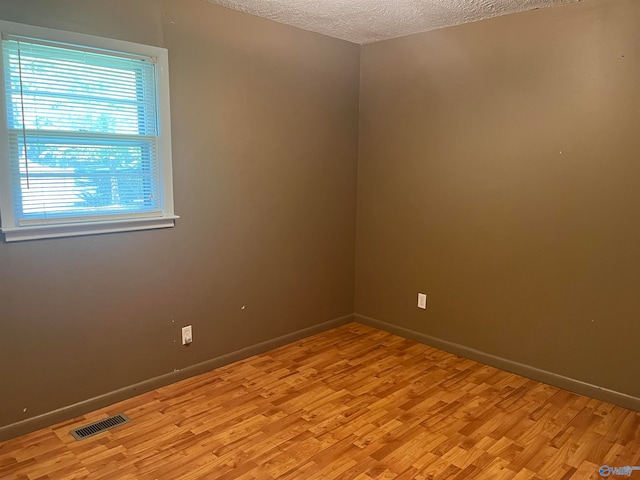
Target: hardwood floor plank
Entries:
(350, 403)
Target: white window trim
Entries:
(12, 232)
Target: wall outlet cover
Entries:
(187, 335)
(422, 301)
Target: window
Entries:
(84, 135)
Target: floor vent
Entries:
(99, 426)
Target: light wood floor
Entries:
(351, 403)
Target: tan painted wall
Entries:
(499, 173)
(526, 252)
(265, 125)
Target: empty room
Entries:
(284, 239)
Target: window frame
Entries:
(9, 225)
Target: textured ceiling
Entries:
(366, 21)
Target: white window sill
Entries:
(94, 228)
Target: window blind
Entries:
(82, 133)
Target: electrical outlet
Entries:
(422, 301)
(187, 335)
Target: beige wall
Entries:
(265, 125)
(499, 173)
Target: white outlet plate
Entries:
(187, 335)
(422, 301)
